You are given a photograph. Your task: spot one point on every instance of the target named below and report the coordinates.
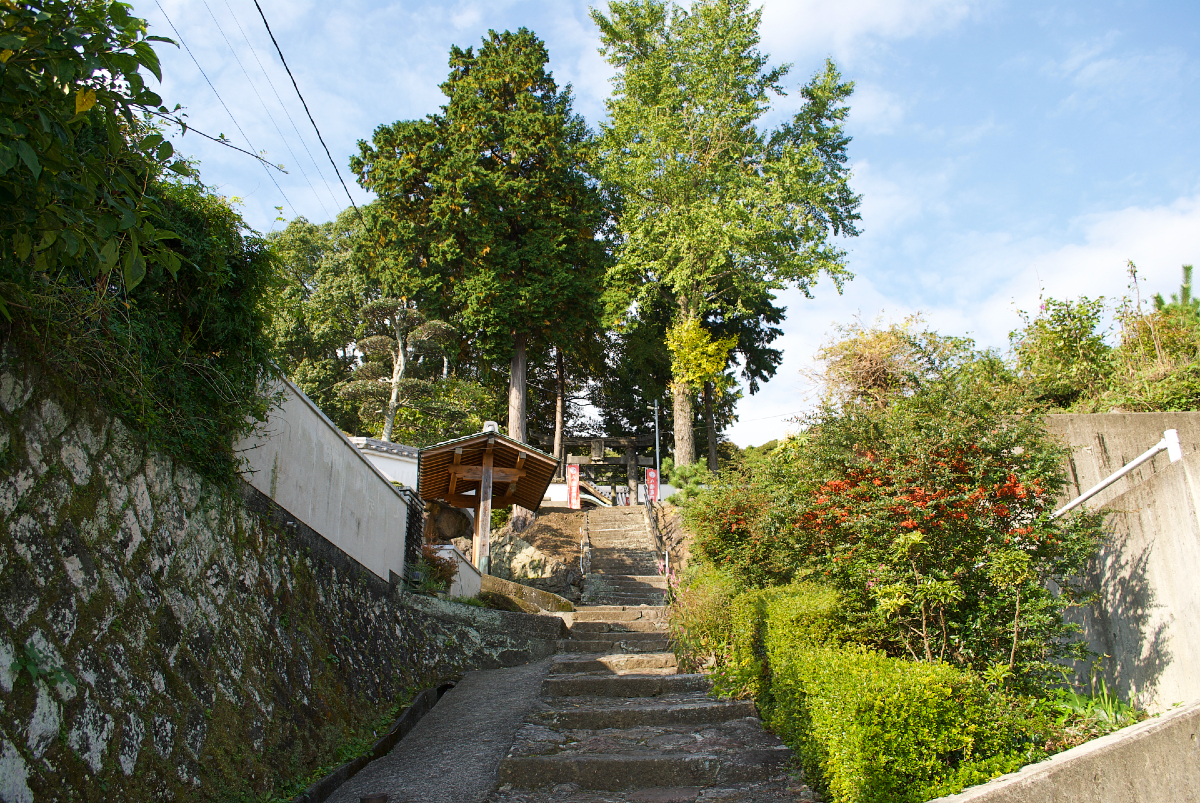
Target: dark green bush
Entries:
(874, 729)
(120, 280)
(866, 727)
(182, 359)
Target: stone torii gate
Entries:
(481, 472)
(629, 444)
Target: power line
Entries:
(282, 105)
(263, 103)
(306, 111)
(218, 94)
(186, 128)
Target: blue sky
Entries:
(1003, 149)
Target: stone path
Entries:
(607, 720)
(452, 754)
(616, 722)
(624, 568)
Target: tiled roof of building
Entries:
(376, 445)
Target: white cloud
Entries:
(975, 286)
(876, 110)
(1099, 74)
(796, 28)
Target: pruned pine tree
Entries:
(717, 210)
(395, 331)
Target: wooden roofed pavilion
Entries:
(481, 472)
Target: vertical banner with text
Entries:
(652, 485)
(573, 486)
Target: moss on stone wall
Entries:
(188, 643)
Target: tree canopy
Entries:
(717, 213)
(488, 215)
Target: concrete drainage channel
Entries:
(424, 702)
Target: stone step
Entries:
(645, 756)
(637, 625)
(779, 789)
(635, 580)
(627, 637)
(584, 685)
(673, 709)
(621, 598)
(607, 645)
(620, 614)
(642, 663)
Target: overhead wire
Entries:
(222, 101)
(306, 109)
(182, 124)
(263, 103)
(282, 105)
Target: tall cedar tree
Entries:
(487, 213)
(717, 212)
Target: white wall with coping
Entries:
(1145, 624)
(468, 582)
(302, 461)
(1156, 761)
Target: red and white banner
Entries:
(652, 484)
(573, 486)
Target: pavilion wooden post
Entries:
(483, 514)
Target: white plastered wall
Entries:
(302, 461)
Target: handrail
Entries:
(1169, 444)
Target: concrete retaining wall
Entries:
(467, 582)
(1156, 761)
(1146, 620)
(303, 462)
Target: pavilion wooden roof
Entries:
(452, 470)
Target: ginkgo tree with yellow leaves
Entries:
(717, 212)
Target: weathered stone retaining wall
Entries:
(515, 559)
(165, 639)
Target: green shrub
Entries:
(797, 616)
(700, 618)
(866, 727)
(873, 728)
(927, 511)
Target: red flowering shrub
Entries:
(930, 516)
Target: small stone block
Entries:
(677, 794)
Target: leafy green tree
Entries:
(317, 312)
(78, 166)
(395, 331)
(929, 513)
(487, 212)
(1061, 354)
(717, 211)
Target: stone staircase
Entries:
(616, 723)
(624, 566)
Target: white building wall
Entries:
(397, 468)
(300, 459)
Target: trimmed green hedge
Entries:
(866, 727)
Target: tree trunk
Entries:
(710, 422)
(516, 391)
(521, 517)
(398, 368)
(560, 403)
(685, 443)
